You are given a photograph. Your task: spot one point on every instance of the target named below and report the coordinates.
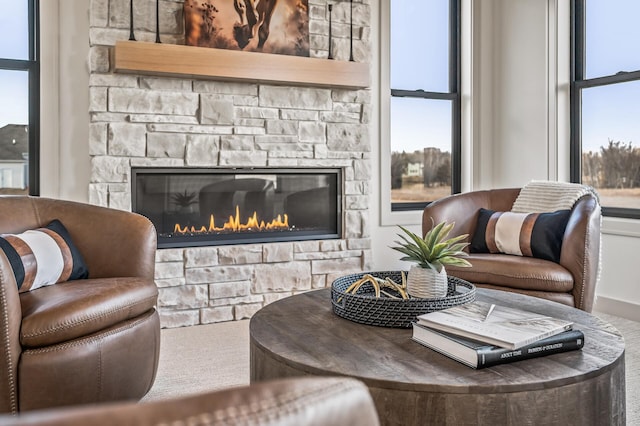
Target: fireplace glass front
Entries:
(203, 207)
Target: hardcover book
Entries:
(481, 355)
(503, 326)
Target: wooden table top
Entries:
(303, 332)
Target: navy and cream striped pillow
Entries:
(523, 234)
(43, 256)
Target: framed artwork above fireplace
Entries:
(268, 26)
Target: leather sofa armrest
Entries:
(10, 348)
(581, 250)
(309, 401)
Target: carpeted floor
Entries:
(210, 357)
(201, 358)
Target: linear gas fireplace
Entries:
(202, 207)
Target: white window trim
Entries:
(387, 216)
(49, 96)
(64, 99)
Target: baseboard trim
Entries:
(620, 308)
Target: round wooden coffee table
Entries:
(413, 385)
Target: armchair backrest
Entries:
(113, 243)
(463, 208)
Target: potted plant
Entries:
(428, 278)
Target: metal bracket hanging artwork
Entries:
(351, 31)
(132, 37)
(158, 21)
(330, 55)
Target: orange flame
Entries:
(233, 224)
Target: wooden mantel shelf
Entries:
(208, 63)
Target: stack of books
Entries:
(481, 334)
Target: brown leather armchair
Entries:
(311, 401)
(87, 340)
(572, 281)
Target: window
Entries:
(19, 98)
(424, 105)
(605, 102)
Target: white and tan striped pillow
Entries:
(43, 256)
(522, 234)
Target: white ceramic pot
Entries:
(427, 283)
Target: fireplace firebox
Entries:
(203, 207)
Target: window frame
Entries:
(453, 95)
(578, 83)
(32, 67)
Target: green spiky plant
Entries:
(435, 250)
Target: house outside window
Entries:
(605, 102)
(19, 97)
(424, 104)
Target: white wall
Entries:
(515, 119)
(619, 289)
(519, 148)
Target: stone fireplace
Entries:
(143, 122)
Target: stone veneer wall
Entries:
(139, 120)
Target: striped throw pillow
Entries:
(43, 256)
(522, 234)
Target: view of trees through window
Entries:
(606, 98)
(420, 175)
(423, 106)
(615, 171)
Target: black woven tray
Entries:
(365, 308)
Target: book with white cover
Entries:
(502, 326)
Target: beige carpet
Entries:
(201, 358)
(209, 357)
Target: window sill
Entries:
(621, 227)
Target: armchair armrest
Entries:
(298, 401)
(581, 250)
(10, 348)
